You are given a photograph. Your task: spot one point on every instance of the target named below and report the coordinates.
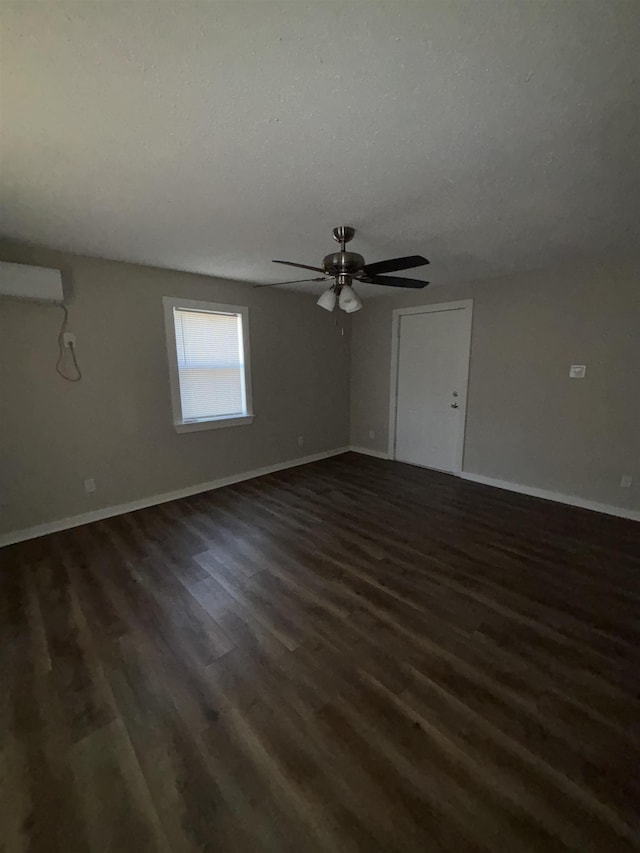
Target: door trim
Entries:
(465, 305)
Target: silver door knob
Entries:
(454, 405)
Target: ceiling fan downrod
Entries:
(343, 234)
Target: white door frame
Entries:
(465, 305)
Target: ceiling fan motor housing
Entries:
(345, 263)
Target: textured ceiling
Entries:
(212, 137)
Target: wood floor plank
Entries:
(111, 795)
(353, 655)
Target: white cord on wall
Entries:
(61, 348)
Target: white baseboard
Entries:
(379, 454)
(142, 503)
(558, 497)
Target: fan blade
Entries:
(302, 266)
(295, 281)
(395, 264)
(393, 281)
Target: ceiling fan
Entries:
(345, 267)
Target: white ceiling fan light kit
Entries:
(328, 300)
(346, 297)
(349, 300)
(345, 267)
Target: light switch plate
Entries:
(577, 371)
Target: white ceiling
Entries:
(490, 136)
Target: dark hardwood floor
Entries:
(355, 655)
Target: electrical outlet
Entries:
(90, 486)
(372, 433)
(69, 340)
(625, 481)
(577, 371)
(300, 440)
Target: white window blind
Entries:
(210, 360)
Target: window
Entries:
(209, 369)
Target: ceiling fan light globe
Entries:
(327, 300)
(349, 300)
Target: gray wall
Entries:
(116, 424)
(527, 422)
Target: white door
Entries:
(432, 370)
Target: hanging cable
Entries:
(61, 353)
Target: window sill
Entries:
(214, 423)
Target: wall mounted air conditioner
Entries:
(22, 281)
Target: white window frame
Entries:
(179, 423)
